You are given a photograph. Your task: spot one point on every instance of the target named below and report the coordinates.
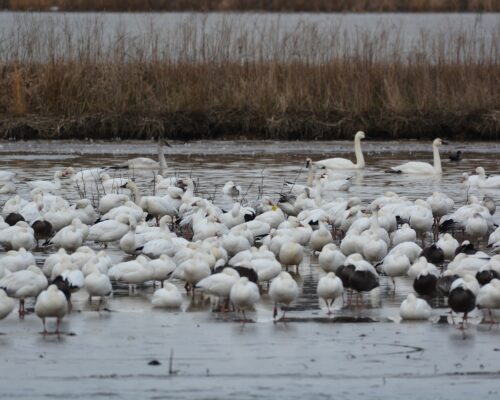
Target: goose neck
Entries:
(161, 159)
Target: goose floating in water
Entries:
(423, 168)
(343, 163)
(51, 303)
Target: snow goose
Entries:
(418, 167)
(433, 254)
(167, 297)
(17, 260)
(462, 297)
(403, 234)
(243, 295)
(6, 304)
(476, 227)
(162, 268)
(331, 258)
(426, 277)
(343, 163)
(321, 237)
(51, 303)
(291, 253)
(394, 265)
(219, 284)
(490, 182)
(230, 189)
(97, 284)
(413, 308)
(489, 297)
(70, 237)
(24, 284)
(110, 201)
(283, 290)
(329, 288)
(132, 272)
(448, 244)
(110, 230)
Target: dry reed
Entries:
(257, 5)
(59, 81)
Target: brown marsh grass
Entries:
(257, 5)
(60, 81)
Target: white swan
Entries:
(343, 163)
(148, 163)
(423, 168)
(51, 303)
(48, 185)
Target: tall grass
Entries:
(58, 80)
(255, 5)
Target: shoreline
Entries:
(186, 126)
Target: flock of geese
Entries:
(240, 254)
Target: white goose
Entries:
(24, 284)
(17, 260)
(243, 295)
(490, 182)
(6, 304)
(329, 288)
(167, 297)
(97, 284)
(423, 168)
(283, 290)
(51, 303)
(414, 309)
(110, 231)
(343, 163)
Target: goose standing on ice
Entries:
(243, 295)
(329, 288)
(413, 308)
(419, 167)
(167, 297)
(462, 297)
(6, 304)
(343, 163)
(283, 290)
(51, 303)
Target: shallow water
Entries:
(215, 356)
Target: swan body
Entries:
(423, 168)
(343, 163)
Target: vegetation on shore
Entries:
(257, 5)
(62, 83)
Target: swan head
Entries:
(438, 142)
(359, 135)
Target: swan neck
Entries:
(310, 175)
(437, 160)
(360, 160)
(135, 191)
(161, 160)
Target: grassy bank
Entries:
(257, 5)
(60, 84)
